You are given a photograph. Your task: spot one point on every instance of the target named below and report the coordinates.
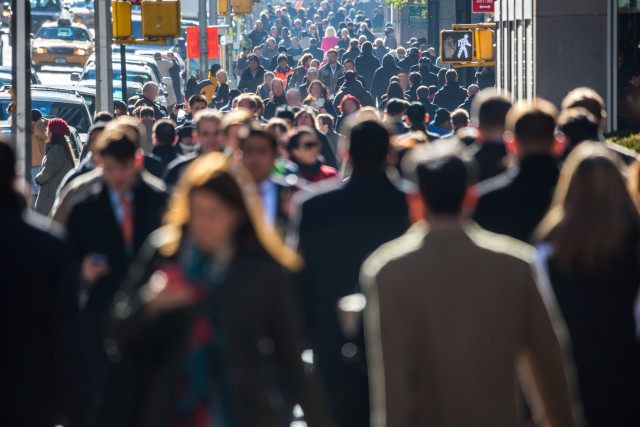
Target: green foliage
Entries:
(400, 4)
(626, 139)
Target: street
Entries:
(60, 76)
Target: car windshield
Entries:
(64, 33)
(75, 115)
(45, 5)
(132, 76)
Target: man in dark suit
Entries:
(451, 94)
(148, 97)
(259, 154)
(207, 123)
(514, 202)
(338, 227)
(490, 112)
(39, 317)
(106, 229)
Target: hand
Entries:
(271, 96)
(167, 290)
(175, 110)
(93, 269)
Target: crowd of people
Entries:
(348, 238)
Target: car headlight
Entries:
(41, 50)
(6, 13)
(81, 52)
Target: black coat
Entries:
(93, 229)
(221, 96)
(514, 202)
(429, 78)
(177, 167)
(491, 156)
(381, 77)
(408, 62)
(270, 107)
(256, 307)
(430, 107)
(466, 105)
(339, 228)
(249, 83)
(316, 52)
(359, 78)
(38, 320)
(367, 64)
(599, 316)
(351, 54)
(166, 153)
(355, 89)
(450, 96)
(158, 111)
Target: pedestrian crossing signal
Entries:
(457, 46)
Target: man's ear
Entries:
(560, 144)
(470, 201)
(138, 160)
(510, 143)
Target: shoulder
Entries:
(509, 249)
(152, 183)
(496, 184)
(390, 256)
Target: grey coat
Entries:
(328, 78)
(55, 166)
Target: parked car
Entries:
(52, 103)
(87, 93)
(137, 76)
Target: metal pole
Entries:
(123, 73)
(213, 12)
(104, 57)
(202, 15)
(21, 85)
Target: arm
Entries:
(51, 163)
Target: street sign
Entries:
(457, 46)
(483, 6)
(193, 42)
(418, 16)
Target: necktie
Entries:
(127, 220)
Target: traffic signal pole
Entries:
(104, 56)
(21, 86)
(202, 15)
(123, 73)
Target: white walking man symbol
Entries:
(463, 43)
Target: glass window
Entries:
(628, 65)
(64, 33)
(45, 5)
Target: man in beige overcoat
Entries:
(453, 311)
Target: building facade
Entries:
(547, 48)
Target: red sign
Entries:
(483, 6)
(193, 42)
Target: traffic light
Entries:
(456, 46)
(121, 19)
(241, 7)
(160, 18)
(484, 44)
(223, 8)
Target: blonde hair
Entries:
(593, 223)
(222, 73)
(401, 53)
(201, 172)
(330, 32)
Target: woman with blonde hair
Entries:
(590, 255)
(330, 39)
(221, 96)
(209, 313)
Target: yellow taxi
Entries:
(61, 42)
